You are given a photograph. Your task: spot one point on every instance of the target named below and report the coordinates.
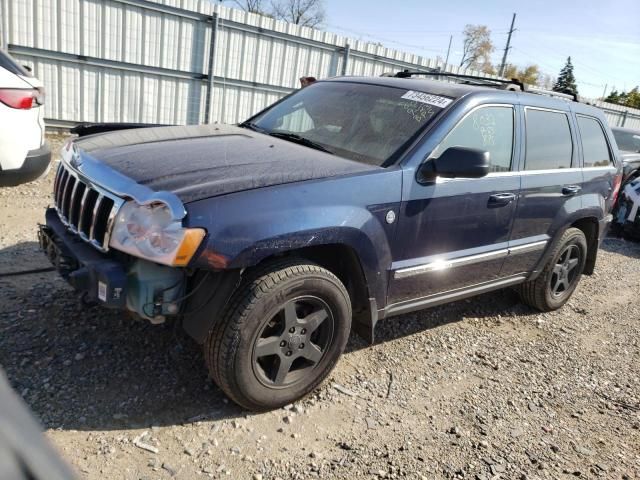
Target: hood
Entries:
(201, 161)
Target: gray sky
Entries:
(602, 37)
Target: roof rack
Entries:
(503, 84)
(552, 93)
(513, 84)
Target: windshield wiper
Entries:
(252, 126)
(295, 138)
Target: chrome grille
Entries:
(86, 209)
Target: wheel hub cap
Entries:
(295, 341)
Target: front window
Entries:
(366, 123)
(487, 128)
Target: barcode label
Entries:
(428, 98)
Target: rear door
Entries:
(599, 165)
(551, 184)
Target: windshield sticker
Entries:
(428, 98)
(419, 112)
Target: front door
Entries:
(454, 233)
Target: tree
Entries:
(633, 99)
(476, 47)
(307, 13)
(614, 97)
(252, 6)
(487, 68)
(627, 99)
(566, 82)
(530, 74)
(510, 71)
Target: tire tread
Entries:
(222, 341)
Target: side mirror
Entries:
(455, 162)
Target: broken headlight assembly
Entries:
(150, 232)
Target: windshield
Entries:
(365, 123)
(628, 141)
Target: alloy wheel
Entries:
(293, 342)
(565, 270)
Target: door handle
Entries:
(570, 190)
(501, 199)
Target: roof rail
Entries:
(551, 93)
(514, 84)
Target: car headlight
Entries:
(149, 231)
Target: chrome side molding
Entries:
(445, 264)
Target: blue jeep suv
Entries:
(346, 202)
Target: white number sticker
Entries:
(428, 98)
(102, 291)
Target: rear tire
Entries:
(560, 276)
(281, 334)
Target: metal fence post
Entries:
(210, 71)
(4, 25)
(345, 59)
(624, 118)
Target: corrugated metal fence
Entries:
(181, 61)
(618, 115)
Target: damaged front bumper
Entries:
(114, 280)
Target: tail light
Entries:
(22, 99)
(617, 182)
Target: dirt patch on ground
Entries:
(483, 388)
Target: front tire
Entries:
(281, 334)
(560, 276)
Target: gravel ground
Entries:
(482, 389)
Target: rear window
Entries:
(549, 144)
(10, 64)
(594, 143)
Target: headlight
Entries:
(149, 231)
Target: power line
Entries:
(558, 55)
(382, 39)
(542, 64)
(548, 67)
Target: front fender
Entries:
(245, 228)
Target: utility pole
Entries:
(506, 48)
(446, 62)
(604, 93)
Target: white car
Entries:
(24, 153)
